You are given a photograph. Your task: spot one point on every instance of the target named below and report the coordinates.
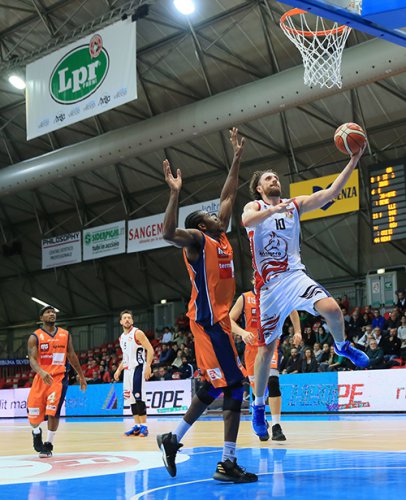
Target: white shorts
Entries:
(285, 293)
(132, 384)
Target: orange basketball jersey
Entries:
(52, 350)
(212, 277)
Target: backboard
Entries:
(385, 19)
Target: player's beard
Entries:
(273, 192)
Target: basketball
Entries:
(349, 138)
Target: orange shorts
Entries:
(216, 355)
(249, 357)
(46, 399)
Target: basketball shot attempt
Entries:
(281, 282)
(209, 260)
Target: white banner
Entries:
(372, 390)
(211, 206)
(145, 234)
(103, 241)
(61, 250)
(85, 78)
(13, 403)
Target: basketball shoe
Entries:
(37, 441)
(46, 451)
(259, 423)
(134, 431)
(168, 443)
(230, 472)
(358, 357)
(277, 433)
(143, 431)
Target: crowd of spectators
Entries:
(382, 337)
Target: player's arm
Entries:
(320, 198)
(146, 344)
(171, 233)
(33, 357)
(252, 215)
(117, 373)
(229, 191)
(73, 360)
(235, 315)
(297, 337)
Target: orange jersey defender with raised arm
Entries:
(250, 322)
(46, 399)
(213, 288)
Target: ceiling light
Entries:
(17, 81)
(381, 270)
(185, 7)
(163, 301)
(42, 303)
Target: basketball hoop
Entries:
(321, 47)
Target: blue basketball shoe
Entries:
(259, 423)
(143, 431)
(358, 357)
(134, 431)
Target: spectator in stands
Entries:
(367, 320)
(167, 335)
(180, 338)
(92, 368)
(309, 363)
(163, 374)
(95, 378)
(345, 315)
(391, 345)
(402, 336)
(323, 337)
(317, 351)
(378, 320)
(309, 337)
(293, 364)
(375, 355)
(355, 325)
(377, 334)
(326, 353)
(345, 302)
(182, 323)
(401, 302)
(186, 369)
(177, 362)
(393, 321)
(368, 310)
(155, 375)
(166, 354)
(333, 363)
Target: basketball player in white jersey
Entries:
(282, 285)
(134, 344)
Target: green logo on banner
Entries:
(79, 73)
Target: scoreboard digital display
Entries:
(387, 189)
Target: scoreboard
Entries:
(387, 190)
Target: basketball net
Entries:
(320, 45)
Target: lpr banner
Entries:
(103, 241)
(62, 250)
(83, 79)
(346, 201)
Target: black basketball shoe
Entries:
(37, 441)
(230, 472)
(168, 444)
(46, 451)
(277, 433)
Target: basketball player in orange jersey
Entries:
(281, 283)
(245, 311)
(49, 349)
(209, 260)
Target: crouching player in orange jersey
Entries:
(49, 349)
(245, 311)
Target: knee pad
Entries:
(141, 408)
(207, 393)
(233, 398)
(274, 387)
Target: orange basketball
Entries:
(349, 138)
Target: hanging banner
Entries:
(103, 241)
(61, 250)
(211, 206)
(145, 234)
(85, 78)
(346, 201)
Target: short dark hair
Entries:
(46, 308)
(193, 220)
(126, 311)
(255, 181)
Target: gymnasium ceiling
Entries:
(225, 44)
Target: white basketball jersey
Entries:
(275, 244)
(133, 353)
